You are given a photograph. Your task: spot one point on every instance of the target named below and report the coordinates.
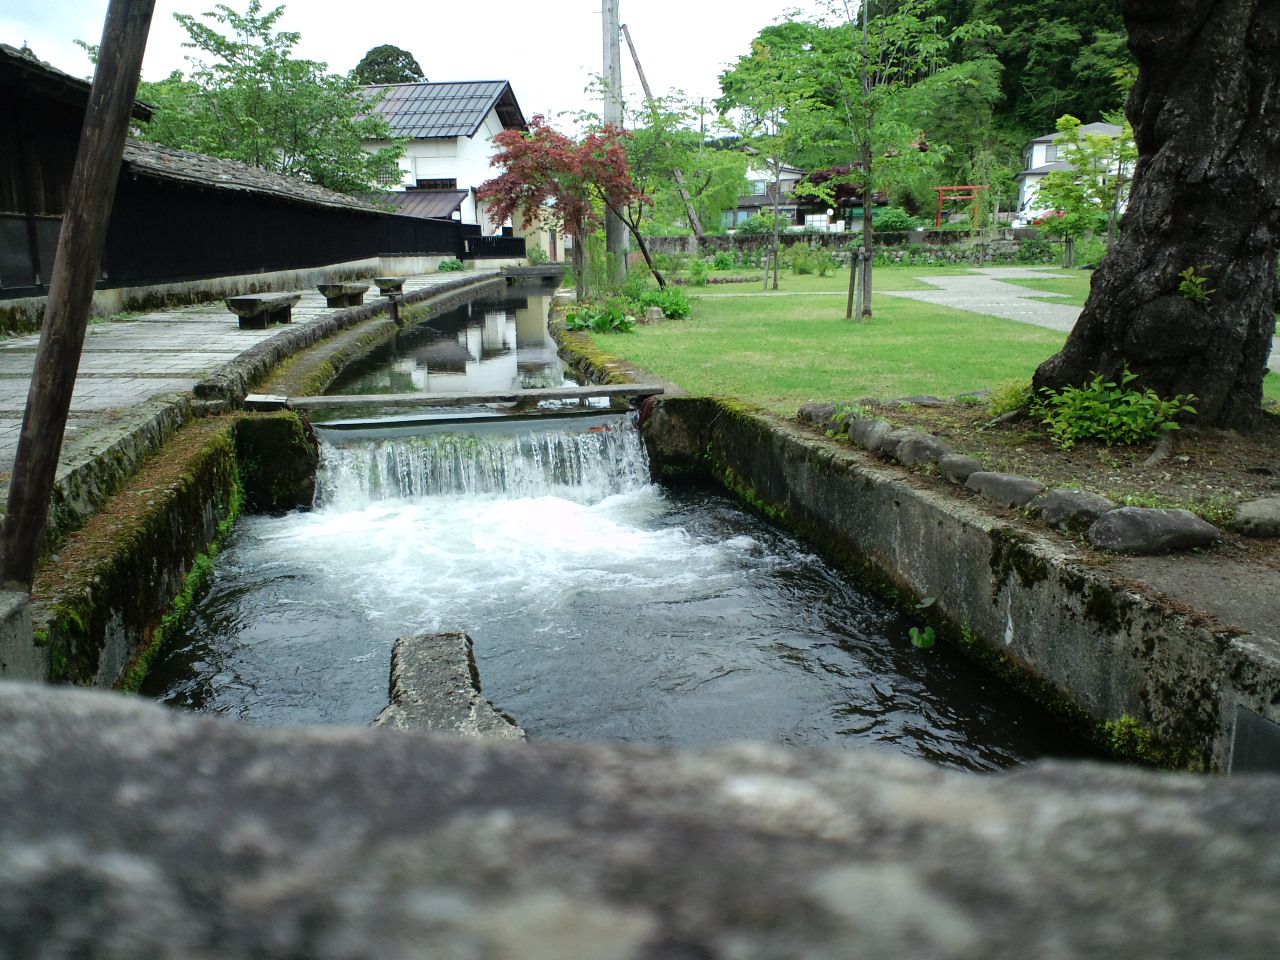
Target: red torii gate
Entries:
(947, 194)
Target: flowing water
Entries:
(602, 607)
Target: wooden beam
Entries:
(611, 391)
(75, 271)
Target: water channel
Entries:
(602, 606)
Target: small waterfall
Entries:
(583, 461)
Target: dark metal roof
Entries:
(166, 163)
(40, 77)
(433, 204)
(422, 111)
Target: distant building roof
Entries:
(44, 78)
(422, 111)
(1086, 129)
(183, 166)
(1046, 168)
(425, 203)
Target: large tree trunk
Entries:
(1206, 194)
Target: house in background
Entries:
(759, 201)
(1041, 156)
(449, 130)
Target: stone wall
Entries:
(1132, 666)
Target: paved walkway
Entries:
(985, 292)
(130, 367)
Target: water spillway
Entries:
(602, 606)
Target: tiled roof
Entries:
(47, 79)
(425, 203)
(166, 163)
(422, 111)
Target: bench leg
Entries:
(282, 315)
(339, 301)
(258, 322)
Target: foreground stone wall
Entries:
(133, 831)
(1144, 676)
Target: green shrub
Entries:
(1110, 412)
(674, 303)
(1089, 253)
(1010, 396)
(801, 259)
(635, 284)
(824, 261)
(536, 256)
(723, 260)
(894, 220)
(1035, 249)
(452, 265)
(761, 225)
(613, 316)
(698, 273)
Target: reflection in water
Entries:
(485, 345)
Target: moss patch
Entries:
(277, 455)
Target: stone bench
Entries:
(388, 285)
(342, 294)
(257, 310)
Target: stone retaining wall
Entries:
(1146, 677)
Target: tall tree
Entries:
(388, 63)
(247, 98)
(1206, 199)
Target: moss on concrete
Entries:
(277, 455)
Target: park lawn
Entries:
(837, 282)
(781, 352)
(1073, 283)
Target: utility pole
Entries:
(676, 172)
(76, 268)
(615, 231)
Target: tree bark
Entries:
(1206, 195)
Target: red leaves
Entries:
(548, 176)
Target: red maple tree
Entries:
(549, 177)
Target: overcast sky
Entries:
(549, 51)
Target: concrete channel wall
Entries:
(1144, 677)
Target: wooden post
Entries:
(75, 271)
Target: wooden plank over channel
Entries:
(625, 391)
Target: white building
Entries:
(449, 130)
(1041, 156)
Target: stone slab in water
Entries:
(133, 831)
(435, 686)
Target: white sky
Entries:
(549, 50)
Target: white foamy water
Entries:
(601, 606)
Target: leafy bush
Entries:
(452, 265)
(761, 225)
(672, 301)
(1089, 253)
(635, 284)
(536, 256)
(1010, 396)
(723, 260)
(801, 259)
(609, 317)
(894, 219)
(1035, 250)
(824, 261)
(1110, 412)
(698, 273)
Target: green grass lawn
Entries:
(885, 278)
(781, 352)
(1073, 283)
(783, 349)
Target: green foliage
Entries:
(698, 271)
(1195, 286)
(452, 265)
(610, 317)
(1088, 197)
(536, 256)
(723, 260)
(248, 99)
(762, 225)
(388, 63)
(672, 301)
(1110, 412)
(1010, 396)
(1035, 249)
(922, 639)
(894, 220)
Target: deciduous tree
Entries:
(1205, 197)
(247, 98)
(388, 63)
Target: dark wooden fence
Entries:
(488, 248)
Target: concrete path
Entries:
(985, 292)
(130, 368)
